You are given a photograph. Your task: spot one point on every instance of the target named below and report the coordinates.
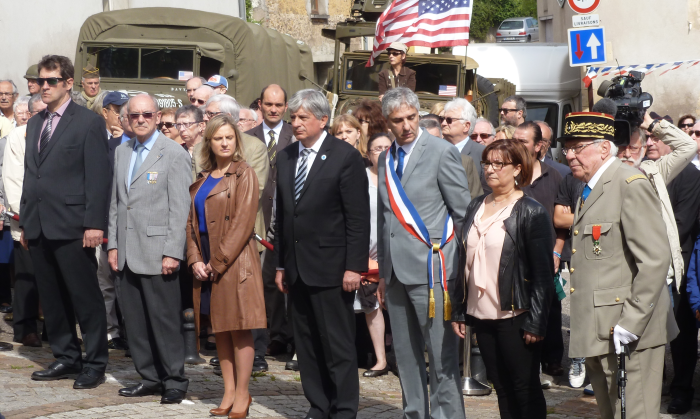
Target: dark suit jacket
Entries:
(327, 231)
(65, 187)
(561, 168)
(474, 150)
(112, 145)
(268, 194)
(684, 194)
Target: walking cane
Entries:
(622, 380)
(470, 386)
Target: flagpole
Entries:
(590, 95)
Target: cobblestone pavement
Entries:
(276, 394)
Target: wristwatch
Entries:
(652, 125)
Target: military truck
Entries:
(155, 50)
(353, 82)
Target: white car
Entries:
(518, 29)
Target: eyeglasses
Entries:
(506, 110)
(23, 113)
(52, 81)
(245, 119)
(212, 114)
(379, 150)
(137, 116)
(3, 94)
(652, 138)
(577, 149)
(685, 126)
(199, 102)
(168, 125)
(495, 165)
(483, 136)
(449, 119)
(394, 53)
(695, 133)
(181, 125)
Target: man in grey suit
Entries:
(430, 172)
(457, 126)
(147, 218)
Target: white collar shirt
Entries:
(408, 148)
(460, 145)
(312, 156)
(598, 174)
(696, 162)
(266, 132)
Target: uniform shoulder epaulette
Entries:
(635, 177)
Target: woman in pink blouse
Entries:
(505, 284)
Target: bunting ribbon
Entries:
(594, 72)
(410, 220)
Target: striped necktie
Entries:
(46, 133)
(272, 147)
(301, 174)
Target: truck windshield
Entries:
(511, 24)
(544, 111)
(429, 76)
(155, 63)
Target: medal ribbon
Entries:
(410, 219)
(596, 232)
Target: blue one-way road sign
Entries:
(586, 46)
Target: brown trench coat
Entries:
(237, 299)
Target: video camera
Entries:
(632, 103)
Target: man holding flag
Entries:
(422, 199)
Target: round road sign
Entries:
(583, 6)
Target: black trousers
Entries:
(324, 332)
(5, 284)
(512, 366)
(553, 343)
(151, 308)
(26, 303)
(66, 276)
(278, 310)
(684, 348)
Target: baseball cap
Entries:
(216, 81)
(398, 46)
(115, 98)
(32, 72)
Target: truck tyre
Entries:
(488, 106)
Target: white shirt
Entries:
(696, 162)
(408, 148)
(277, 130)
(596, 177)
(312, 156)
(460, 145)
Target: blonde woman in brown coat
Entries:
(224, 258)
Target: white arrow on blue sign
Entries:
(587, 46)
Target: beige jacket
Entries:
(255, 153)
(13, 173)
(618, 282)
(660, 173)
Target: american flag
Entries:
(447, 90)
(427, 23)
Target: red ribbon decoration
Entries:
(596, 232)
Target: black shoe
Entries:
(553, 369)
(276, 348)
(259, 364)
(210, 346)
(89, 378)
(172, 396)
(214, 362)
(5, 309)
(139, 390)
(292, 365)
(4, 346)
(376, 373)
(679, 405)
(217, 371)
(55, 371)
(117, 343)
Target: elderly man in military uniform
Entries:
(91, 87)
(620, 257)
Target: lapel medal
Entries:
(596, 240)
(151, 177)
(323, 157)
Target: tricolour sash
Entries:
(410, 219)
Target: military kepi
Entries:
(588, 125)
(91, 72)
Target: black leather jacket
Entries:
(526, 271)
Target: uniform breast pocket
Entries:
(598, 240)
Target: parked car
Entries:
(518, 29)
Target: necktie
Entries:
(301, 174)
(271, 147)
(46, 133)
(139, 160)
(399, 167)
(584, 195)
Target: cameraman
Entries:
(670, 151)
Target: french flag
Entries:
(590, 75)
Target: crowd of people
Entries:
(128, 215)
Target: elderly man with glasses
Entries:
(483, 133)
(8, 95)
(513, 111)
(147, 219)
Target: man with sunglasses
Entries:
(398, 75)
(202, 95)
(483, 133)
(192, 85)
(513, 111)
(63, 219)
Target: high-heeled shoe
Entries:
(221, 412)
(244, 414)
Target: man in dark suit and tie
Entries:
(323, 237)
(63, 216)
(276, 135)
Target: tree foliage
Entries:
(488, 14)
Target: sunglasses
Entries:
(137, 116)
(685, 125)
(52, 81)
(198, 101)
(449, 119)
(483, 136)
(506, 110)
(695, 133)
(394, 53)
(212, 114)
(168, 125)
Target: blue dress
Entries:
(199, 201)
